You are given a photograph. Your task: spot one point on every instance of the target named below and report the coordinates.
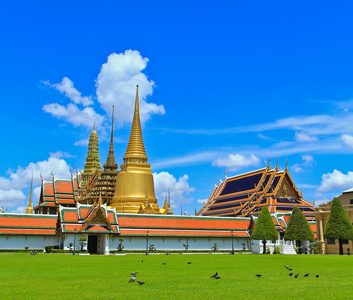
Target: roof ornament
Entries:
(40, 174)
(52, 174)
(214, 180)
(94, 126)
(225, 175)
(219, 175)
(268, 162)
(277, 161)
(286, 163)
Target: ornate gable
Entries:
(287, 188)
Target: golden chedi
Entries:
(134, 192)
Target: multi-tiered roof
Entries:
(245, 194)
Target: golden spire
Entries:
(136, 148)
(29, 209)
(111, 156)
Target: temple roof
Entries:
(27, 224)
(171, 225)
(87, 219)
(246, 194)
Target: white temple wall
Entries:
(176, 243)
(22, 241)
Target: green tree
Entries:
(264, 229)
(298, 228)
(338, 225)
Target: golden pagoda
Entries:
(92, 167)
(29, 209)
(134, 192)
(104, 187)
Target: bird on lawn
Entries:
(217, 277)
(317, 275)
(290, 269)
(214, 275)
(258, 275)
(189, 262)
(306, 275)
(296, 275)
(287, 266)
(141, 282)
(141, 260)
(164, 263)
(133, 278)
(290, 274)
(134, 273)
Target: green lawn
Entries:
(63, 276)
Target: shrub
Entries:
(120, 246)
(151, 248)
(186, 246)
(277, 250)
(215, 247)
(26, 248)
(48, 249)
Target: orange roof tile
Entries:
(183, 222)
(48, 188)
(183, 232)
(24, 221)
(64, 186)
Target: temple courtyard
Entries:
(175, 276)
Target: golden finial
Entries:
(225, 175)
(314, 202)
(286, 164)
(100, 200)
(219, 175)
(214, 180)
(52, 174)
(29, 209)
(41, 176)
(94, 126)
(136, 148)
(268, 162)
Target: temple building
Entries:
(244, 195)
(104, 185)
(108, 205)
(322, 213)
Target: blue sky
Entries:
(223, 86)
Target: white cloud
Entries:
(202, 201)
(236, 161)
(66, 86)
(116, 84)
(21, 209)
(186, 160)
(71, 113)
(11, 195)
(347, 140)
(336, 180)
(60, 154)
(83, 142)
(302, 137)
(297, 168)
(11, 187)
(307, 160)
(179, 189)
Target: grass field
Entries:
(63, 276)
